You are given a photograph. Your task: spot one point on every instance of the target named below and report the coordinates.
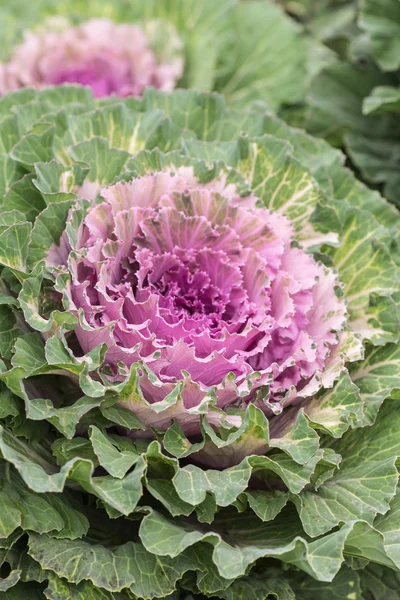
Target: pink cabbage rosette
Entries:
(206, 293)
(110, 58)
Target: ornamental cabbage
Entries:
(110, 58)
(200, 367)
(121, 47)
(203, 287)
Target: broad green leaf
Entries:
(77, 561)
(191, 110)
(35, 146)
(326, 165)
(64, 449)
(29, 353)
(126, 566)
(298, 440)
(321, 558)
(10, 173)
(381, 20)
(382, 99)
(365, 483)
(334, 411)
(159, 481)
(205, 511)
(270, 584)
(294, 476)
(389, 526)
(9, 405)
(121, 416)
(346, 496)
(381, 583)
(123, 128)
(29, 359)
(105, 163)
(115, 462)
(19, 97)
(337, 98)
(266, 504)
(29, 113)
(30, 301)
(9, 134)
(335, 101)
(367, 544)
(14, 243)
(177, 444)
(294, 436)
(376, 159)
(11, 217)
(121, 494)
(282, 184)
(365, 267)
(47, 230)
(9, 331)
(192, 483)
(42, 513)
(25, 591)
(10, 581)
(60, 95)
(326, 467)
(266, 64)
(376, 377)
(65, 418)
(58, 182)
(60, 589)
(345, 586)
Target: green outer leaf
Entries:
(281, 183)
(339, 96)
(192, 483)
(123, 128)
(388, 525)
(381, 20)
(365, 267)
(40, 513)
(22, 195)
(121, 494)
(381, 582)
(105, 163)
(8, 331)
(29, 299)
(164, 537)
(47, 230)
(59, 589)
(127, 566)
(121, 416)
(115, 462)
(345, 585)
(382, 99)
(266, 505)
(294, 436)
(271, 584)
(335, 410)
(14, 246)
(267, 64)
(377, 377)
(80, 561)
(366, 481)
(35, 146)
